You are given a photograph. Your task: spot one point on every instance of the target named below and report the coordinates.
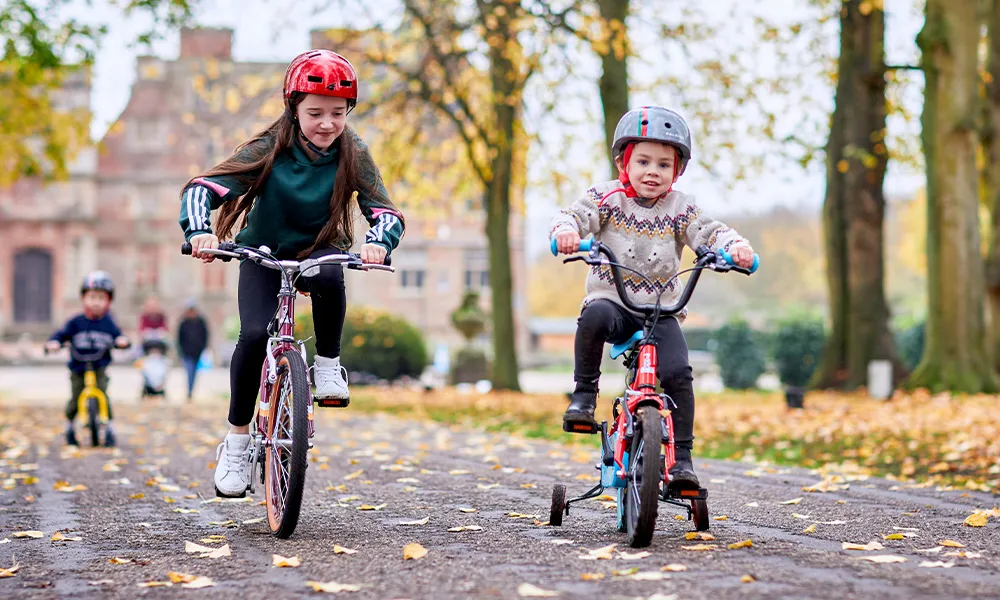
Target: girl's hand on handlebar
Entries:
(742, 255)
(568, 242)
(373, 254)
(204, 241)
(52, 346)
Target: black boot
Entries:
(71, 436)
(109, 437)
(682, 475)
(579, 417)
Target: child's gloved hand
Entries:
(122, 342)
(52, 346)
(568, 241)
(742, 255)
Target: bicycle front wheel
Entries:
(286, 452)
(645, 472)
(93, 423)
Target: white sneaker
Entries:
(232, 474)
(331, 379)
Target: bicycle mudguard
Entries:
(619, 349)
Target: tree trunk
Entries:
(614, 72)
(504, 54)
(854, 207)
(956, 353)
(991, 144)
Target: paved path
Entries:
(145, 500)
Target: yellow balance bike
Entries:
(92, 403)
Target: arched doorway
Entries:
(33, 286)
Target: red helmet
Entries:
(322, 72)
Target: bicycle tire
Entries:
(288, 415)
(558, 506)
(93, 421)
(699, 514)
(645, 474)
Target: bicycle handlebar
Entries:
(705, 259)
(586, 244)
(87, 358)
(230, 250)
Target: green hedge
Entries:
(797, 347)
(374, 342)
(739, 354)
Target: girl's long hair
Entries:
(253, 160)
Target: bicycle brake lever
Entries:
(576, 258)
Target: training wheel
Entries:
(699, 514)
(558, 505)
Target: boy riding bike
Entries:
(91, 333)
(294, 188)
(646, 224)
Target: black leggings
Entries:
(258, 300)
(605, 321)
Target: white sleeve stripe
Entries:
(190, 209)
(203, 207)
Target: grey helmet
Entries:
(654, 124)
(98, 280)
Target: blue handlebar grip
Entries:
(584, 246)
(729, 259)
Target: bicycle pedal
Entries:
(332, 402)
(577, 427)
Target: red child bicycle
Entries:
(283, 427)
(636, 457)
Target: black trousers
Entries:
(258, 301)
(604, 321)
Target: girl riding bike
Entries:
(293, 187)
(646, 224)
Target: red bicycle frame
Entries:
(642, 392)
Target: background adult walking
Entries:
(192, 339)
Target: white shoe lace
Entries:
(233, 458)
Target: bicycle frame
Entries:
(282, 341)
(90, 390)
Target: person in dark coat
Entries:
(192, 339)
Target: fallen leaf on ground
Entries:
(793, 501)
(336, 488)
(176, 577)
(489, 486)
(976, 520)
(137, 496)
(278, 560)
(885, 558)
(372, 507)
(625, 572)
(719, 518)
(591, 576)
(863, 547)
(333, 587)
(752, 504)
(468, 510)
(674, 568)
(931, 564)
(700, 547)
(951, 544)
(119, 561)
(354, 475)
(59, 537)
(101, 582)
(527, 590)
(186, 511)
(459, 472)
(810, 529)
(63, 486)
(743, 544)
(191, 547)
(417, 522)
(465, 528)
(699, 535)
(9, 572)
(151, 584)
(218, 552)
(414, 551)
(748, 578)
(341, 550)
(893, 536)
(604, 553)
(255, 520)
(649, 576)
(933, 550)
(28, 534)
(964, 554)
(633, 555)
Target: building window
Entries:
(477, 279)
(412, 278)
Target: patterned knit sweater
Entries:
(646, 236)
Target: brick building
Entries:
(118, 211)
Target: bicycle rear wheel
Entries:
(93, 421)
(645, 472)
(285, 455)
